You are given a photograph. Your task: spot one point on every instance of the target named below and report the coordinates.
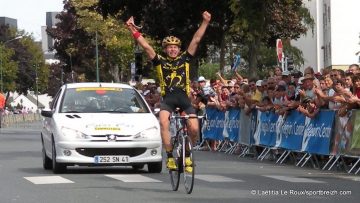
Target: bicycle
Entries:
(180, 142)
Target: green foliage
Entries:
(8, 68)
(36, 65)
(19, 57)
(209, 70)
(261, 22)
(75, 35)
(253, 25)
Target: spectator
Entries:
(295, 76)
(308, 107)
(279, 100)
(308, 85)
(335, 75)
(291, 92)
(354, 68)
(348, 81)
(309, 71)
(285, 76)
(277, 72)
(271, 82)
(265, 104)
(322, 83)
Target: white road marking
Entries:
(349, 178)
(134, 178)
(294, 179)
(216, 178)
(38, 180)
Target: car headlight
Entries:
(72, 133)
(147, 134)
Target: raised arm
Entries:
(140, 39)
(223, 81)
(199, 33)
(238, 76)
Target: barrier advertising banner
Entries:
(244, 130)
(214, 126)
(266, 130)
(317, 133)
(343, 129)
(291, 131)
(349, 140)
(355, 138)
(232, 124)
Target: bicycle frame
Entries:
(181, 144)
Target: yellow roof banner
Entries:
(98, 88)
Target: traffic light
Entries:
(290, 63)
(138, 66)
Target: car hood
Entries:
(108, 123)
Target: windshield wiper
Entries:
(71, 112)
(116, 111)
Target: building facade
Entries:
(334, 42)
(47, 41)
(8, 21)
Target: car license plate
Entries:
(111, 159)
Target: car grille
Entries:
(104, 138)
(91, 152)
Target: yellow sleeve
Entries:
(257, 96)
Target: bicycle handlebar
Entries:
(187, 117)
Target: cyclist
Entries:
(173, 73)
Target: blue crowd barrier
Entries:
(325, 134)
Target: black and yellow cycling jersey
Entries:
(173, 73)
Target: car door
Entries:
(49, 122)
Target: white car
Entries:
(100, 124)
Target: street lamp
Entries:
(1, 67)
(71, 68)
(97, 58)
(37, 89)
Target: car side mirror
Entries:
(47, 113)
(156, 111)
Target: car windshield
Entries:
(101, 100)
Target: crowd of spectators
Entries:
(282, 91)
(306, 92)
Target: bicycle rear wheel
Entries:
(188, 176)
(175, 174)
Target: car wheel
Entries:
(57, 167)
(155, 167)
(47, 164)
(138, 166)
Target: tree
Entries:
(180, 18)
(75, 35)
(21, 59)
(260, 22)
(54, 82)
(8, 66)
(252, 25)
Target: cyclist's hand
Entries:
(130, 24)
(206, 16)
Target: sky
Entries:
(30, 14)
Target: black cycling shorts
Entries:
(177, 99)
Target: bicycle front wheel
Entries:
(188, 165)
(175, 174)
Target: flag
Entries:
(2, 101)
(236, 62)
